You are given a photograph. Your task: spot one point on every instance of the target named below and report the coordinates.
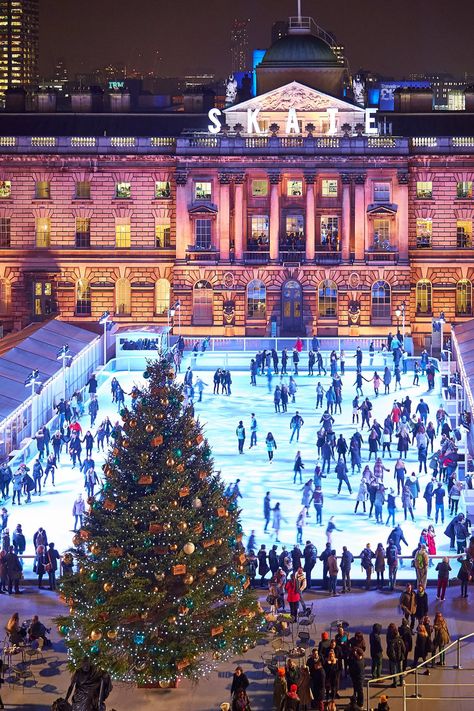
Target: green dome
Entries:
(300, 50)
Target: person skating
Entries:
(341, 472)
(271, 446)
(296, 424)
(253, 431)
(240, 433)
(297, 467)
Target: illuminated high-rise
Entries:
(19, 43)
(239, 46)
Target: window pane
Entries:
(424, 229)
(259, 231)
(464, 297)
(83, 190)
(381, 192)
(329, 188)
(203, 234)
(294, 188)
(83, 298)
(424, 190)
(464, 233)
(381, 234)
(122, 235)
(43, 232)
(123, 190)
(329, 227)
(202, 190)
(162, 190)
(83, 232)
(464, 190)
(162, 296)
(43, 190)
(5, 188)
(162, 233)
(5, 232)
(122, 297)
(327, 300)
(259, 188)
(423, 297)
(381, 299)
(256, 299)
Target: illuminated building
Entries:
(19, 44)
(239, 46)
(296, 210)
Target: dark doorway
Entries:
(292, 308)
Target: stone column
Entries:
(183, 223)
(310, 234)
(274, 215)
(239, 179)
(360, 217)
(223, 240)
(346, 217)
(402, 200)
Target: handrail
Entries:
(415, 670)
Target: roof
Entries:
(38, 350)
(300, 50)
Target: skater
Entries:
(296, 424)
(240, 433)
(297, 467)
(271, 446)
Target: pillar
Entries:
(360, 217)
(183, 223)
(239, 179)
(346, 217)
(223, 241)
(402, 201)
(274, 215)
(310, 217)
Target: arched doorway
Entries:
(203, 297)
(292, 308)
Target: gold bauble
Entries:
(160, 416)
(159, 576)
(173, 547)
(216, 655)
(134, 565)
(144, 456)
(170, 461)
(112, 634)
(212, 570)
(189, 548)
(133, 423)
(174, 504)
(189, 579)
(95, 549)
(166, 527)
(172, 619)
(182, 526)
(108, 587)
(220, 541)
(154, 507)
(189, 443)
(126, 443)
(82, 571)
(96, 635)
(115, 452)
(149, 428)
(77, 540)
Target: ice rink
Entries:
(220, 415)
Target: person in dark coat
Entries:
(239, 681)
(14, 570)
(263, 567)
(356, 672)
(376, 651)
(39, 564)
(91, 687)
(406, 634)
(52, 557)
(92, 384)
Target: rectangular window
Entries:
(83, 232)
(330, 232)
(203, 232)
(4, 232)
(259, 231)
(83, 190)
(5, 188)
(43, 303)
(162, 233)
(43, 232)
(122, 233)
(424, 231)
(294, 233)
(43, 190)
(259, 188)
(329, 188)
(381, 192)
(381, 234)
(424, 190)
(202, 190)
(162, 190)
(464, 190)
(464, 233)
(123, 191)
(294, 188)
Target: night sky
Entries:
(392, 37)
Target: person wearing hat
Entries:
(383, 703)
(279, 687)
(291, 701)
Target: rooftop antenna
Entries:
(299, 10)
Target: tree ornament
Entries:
(133, 423)
(197, 503)
(96, 635)
(212, 570)
(100, 599)
(63, 629)
(77, 540)
(112, 634)
(144, 456)
(108, 587)
(170, 461)
(94, 576)
(115, 563)
(172, 619)
(149, 428)
(95, 549)
(139, 638)
(95, 649)
(159, 576)
(154, 507)
(173, 547)
(178, 452)
(146, 375)
(182, 526)
(174, 504)
(134, 564)
(188, 579)
(189, 548)
(126, 443)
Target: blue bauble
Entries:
(146, 375)
(232, 541)
(139, 637)
(95, 649)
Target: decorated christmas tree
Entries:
(160, 590)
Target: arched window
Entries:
(123, 297)
(463, 298)
(256, 299)
(424, 296)
(381, 300)
(162, 296)
(5, 296)
(83, 298)
(327, 302)
(203, 297)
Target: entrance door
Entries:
(292, 308)
(43, 304)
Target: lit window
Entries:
(464, 190)
(259, 230)
(423, 296)
(424, 190)
(83, 232)
(203, 304)
(123, 234)
(381, 300)
(327, 299)
(256, 299)
(202, 190)
(162, 233)
(381, 192)
(456, 100)
(294, 231)
(294, 188)
(259, 188)
(43, 190)
(203, 232)
(43, 232)
(162, 190)
(424, 231)
(83, 190)
(464, 233)
(329, 232)
(329, 188)
(83, 298)
(123, 297)
(463, 298)
(5, 296)
(5, 188)
(123, 191)
(162, 296)
(381, 234)
(5, 236)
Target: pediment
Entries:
(294, 96)
(379, 208)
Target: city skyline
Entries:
(439, 41)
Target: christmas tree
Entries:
(160, 590)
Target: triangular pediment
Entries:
(294, 96)
(388, 208)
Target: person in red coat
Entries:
(299, 345)
(293, 595)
